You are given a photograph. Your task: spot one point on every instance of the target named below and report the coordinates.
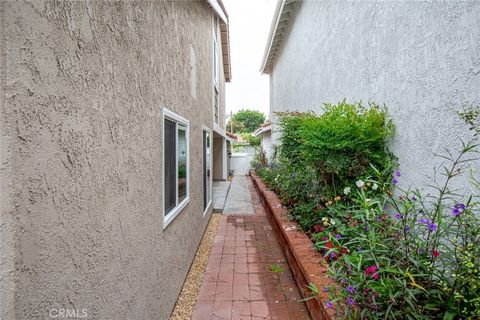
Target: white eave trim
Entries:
(281, 18)
(261, 130)
(218, 10)
(225, 37)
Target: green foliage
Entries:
(259, 160)
(251, 139)
(339, 145)
(234, 126)
(321, 155)
(276, 268)
(472, 117)
(246, 120)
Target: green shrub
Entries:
(321, 155)
(338, 146)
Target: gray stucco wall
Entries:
(420, 58)
(82, 84)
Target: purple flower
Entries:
(332, 255)
(420, 250)
(407, 229)
(338, 236)
(432, 227)
(325, 289)
(397, 173)
(395, 181)
(350, 301)
(351, 289)
(366, 228)
(397, 215)
(329, 305)
(413, 198)
(456, 212)
(424, 221)
(458, 209)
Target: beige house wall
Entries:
(82, 86)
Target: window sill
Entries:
(174, 213)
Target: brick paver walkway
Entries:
(247, 276)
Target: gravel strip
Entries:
(191, 287)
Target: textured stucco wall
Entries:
(82, 87)
(420, 58)
(218, 155)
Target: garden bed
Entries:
(307, 264)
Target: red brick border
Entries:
(306, 263)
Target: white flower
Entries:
(375, 186)
(332, 222)
(360, 183)
(346, 191)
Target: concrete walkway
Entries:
(238, 200)
(220, 191)
(247, 276)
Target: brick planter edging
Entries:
(308, 266)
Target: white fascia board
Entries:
(271, 35)
(218, 10)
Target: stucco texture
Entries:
(82, 88)
(420, 58)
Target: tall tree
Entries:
(246, 120)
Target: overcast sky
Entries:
(249, 27)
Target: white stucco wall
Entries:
(422, 59)
(267, 143)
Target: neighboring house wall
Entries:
(422, 59)
(82, 86)
(267, 143)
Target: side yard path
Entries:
(247, 276)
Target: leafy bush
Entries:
(321, 155)
(251, 139)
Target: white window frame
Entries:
(167, 114)
(210, 202)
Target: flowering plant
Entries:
(415, 256)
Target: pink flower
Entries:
(370, 271)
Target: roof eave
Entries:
(219, 9)
(281, 18)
